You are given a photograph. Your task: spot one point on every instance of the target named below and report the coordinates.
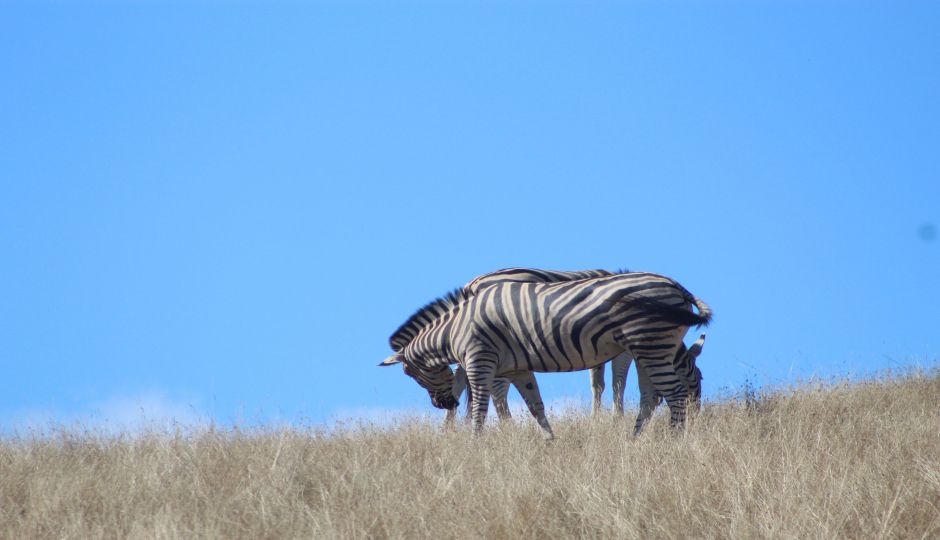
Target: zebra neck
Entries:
(424, 317)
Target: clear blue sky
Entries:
(225, 208)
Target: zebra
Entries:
(514, 329)
(683, 363)
(427, 314)
(500, 384)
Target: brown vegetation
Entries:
(858, 460)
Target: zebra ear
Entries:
(391, 360)
(696, 348)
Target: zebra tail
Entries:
(670, 313)
(703, 310)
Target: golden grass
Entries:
(850, 460)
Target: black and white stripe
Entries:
(500, 395)
(515, 329)
(527, 275)
(683, 363)
(429, 313)
(531, 275)
(432, 311)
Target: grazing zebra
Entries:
(683, 363)
(427, 314)
(514, 329)
(532, 275)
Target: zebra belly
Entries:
(607, 349)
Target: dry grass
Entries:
(857, 460)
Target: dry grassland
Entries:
(858, 460)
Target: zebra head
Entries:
(688, 371)
(437, 379)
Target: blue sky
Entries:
(225, 208)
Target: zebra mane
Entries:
(425, 316)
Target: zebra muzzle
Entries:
(444, 400)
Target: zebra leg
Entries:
(654, 355)
(527, 386)
(649, 399)
(597, 388)
(666, 383)
(500, 394)
(469, 416)
(619, 368)
(460, 384)
(481, 368)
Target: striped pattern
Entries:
(515, 329)
(432, 311)
(499, 394)
(683, 363)
(530, 275)
(520, 275)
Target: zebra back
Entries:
(430, 312)
(531, 275)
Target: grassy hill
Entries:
(841, 460)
